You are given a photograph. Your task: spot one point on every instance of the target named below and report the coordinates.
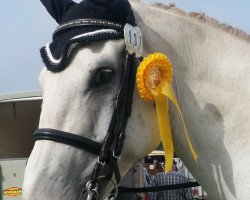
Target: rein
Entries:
(158, 188)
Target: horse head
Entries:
(86, 118)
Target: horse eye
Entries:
(104, 76)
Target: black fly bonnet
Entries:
(81, 24)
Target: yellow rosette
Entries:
(154, 82)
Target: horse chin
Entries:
(50, 175)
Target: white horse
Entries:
(211, 81)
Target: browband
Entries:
(89, 22)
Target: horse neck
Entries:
(184, 36)
(211, 80)
(202, 55)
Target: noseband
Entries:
(110, 149)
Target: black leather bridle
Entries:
(110, 149)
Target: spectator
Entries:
(156, 168)
(171, 178)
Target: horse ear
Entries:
(105, 3)
(57, 8)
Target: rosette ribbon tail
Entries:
(160, 93)
(165, 131)
(154, 77)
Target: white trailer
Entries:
(19, 116)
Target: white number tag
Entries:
(133, 40)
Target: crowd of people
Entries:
(154, 176)
(157, 177)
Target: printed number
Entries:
(130, 37)
(135, 40)
(140, 42)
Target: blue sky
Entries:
(26, 27)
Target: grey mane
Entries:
(201, 17)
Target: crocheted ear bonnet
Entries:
(82, 23)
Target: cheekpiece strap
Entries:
(89, 22)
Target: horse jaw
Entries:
(58, 171)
